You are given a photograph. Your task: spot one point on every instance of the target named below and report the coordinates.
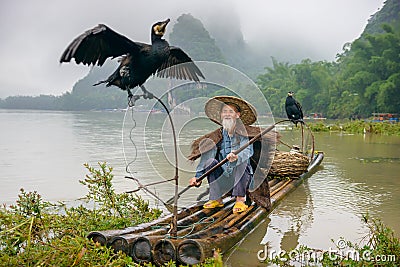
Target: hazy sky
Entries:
(35, 33)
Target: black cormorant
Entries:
(293, 109)
(138, 62)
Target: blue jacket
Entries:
(223, 148)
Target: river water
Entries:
(45, 151)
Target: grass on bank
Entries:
(358, 127)
(34, 232)
(380, 247)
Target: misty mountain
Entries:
(389, 14)
(192, 37)
(221, 41)
(237, 52)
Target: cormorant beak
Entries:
(290, 93)
(159, 29)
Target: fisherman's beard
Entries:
(228, 124)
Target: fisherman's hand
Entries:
(193, 182)
(232, 157)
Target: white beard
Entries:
(228, 125)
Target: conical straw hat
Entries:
(213, 107)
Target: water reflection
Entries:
(371, 187)
(330, 204)
(281, 231)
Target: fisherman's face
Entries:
(229, 115)
(229, 112)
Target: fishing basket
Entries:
(288, 164)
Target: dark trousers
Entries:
(221, 183)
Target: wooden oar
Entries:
(199, 179)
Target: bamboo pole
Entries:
(125, 242)
(194, 251)
(272, 182)
(160, 250)
(238, 217)
(217, 217)
(164, 251)
(214, 229)
(191, 252)
(140, 250)
(217, 228)
(284, 191)
(276, 186)
(157, 249)
(104, 237)
(139, 246)
(280, 188)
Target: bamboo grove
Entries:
(365, 78)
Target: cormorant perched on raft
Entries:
(293, 109)
(139, 61)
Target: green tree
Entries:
(311, 81)
(275, 83)
(371, 72)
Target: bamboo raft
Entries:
(200, 231)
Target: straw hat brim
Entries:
(212, 108)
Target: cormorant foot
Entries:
(132, 99)
(148, 95)
(130, 102)
(129, 93)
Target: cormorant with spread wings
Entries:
(293, 109)
(139, 61)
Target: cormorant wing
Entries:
(173, 67)
(96, 45)
(299, 108)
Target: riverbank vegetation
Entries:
(380, 247)
(357, 127)
(34, 232)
